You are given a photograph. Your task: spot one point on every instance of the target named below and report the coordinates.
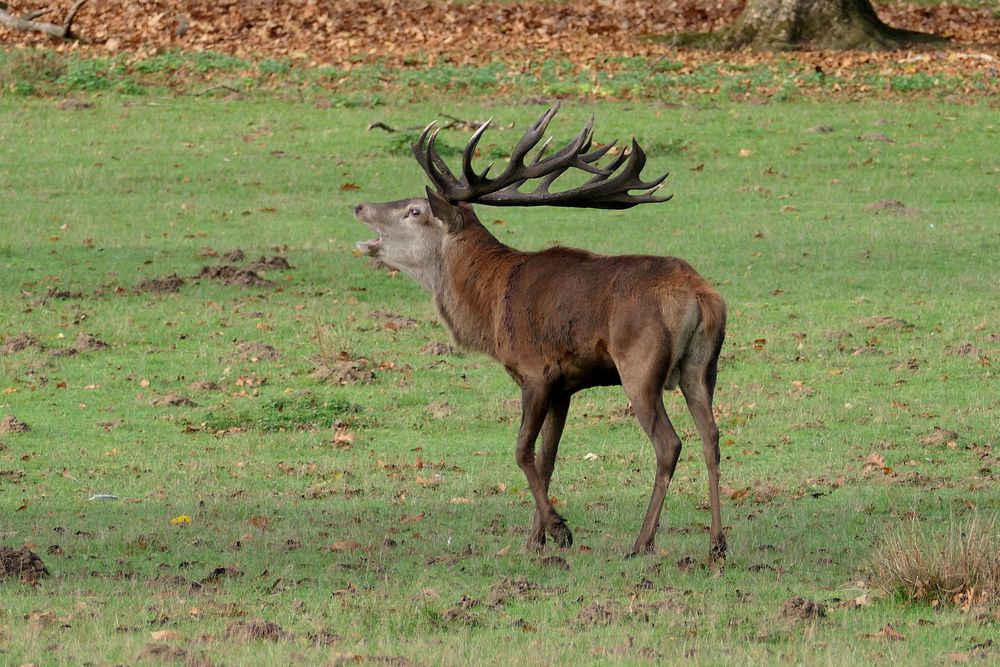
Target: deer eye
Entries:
(413, 213)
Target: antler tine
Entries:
(435, 167)
(630, 176)
(472, 179)
(596, 155)
(541, 150)
(580, 143)
(531, 138)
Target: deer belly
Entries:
(593, 369)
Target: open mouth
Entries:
(370, 247)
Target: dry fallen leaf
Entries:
(888, 632)
(261, 522)
(734, 494)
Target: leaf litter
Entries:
(346, 35)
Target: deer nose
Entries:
(358, 209)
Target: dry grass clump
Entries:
(957, 564)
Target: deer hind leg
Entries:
(646, 395)
(545, 463)
(697, 384)
(535, 404)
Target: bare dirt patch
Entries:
(21, 564)
(392, 321)
(110, 424)
(256, 351)
(939, 436)
(62, 294)
(460, 615)
(11, 424)
(800, 609)
(161, 653)
(511, 589)
(204, 385)
(343, 372)
(908, 365)
(273, 263)
(71, 104)
(557, 562)
(172, 400)
(19, 343)
(85, 341)
(437, 348)
(234, 275)
(439, 410)
(254, 630)
(876, 137)
(890, 206)
(164, 285)
(884, 322)
(965, 350)
(598, 613)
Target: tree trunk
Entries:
(775, 25)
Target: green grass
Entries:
(359, 513)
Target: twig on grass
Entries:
(219, 87)
(452, 124)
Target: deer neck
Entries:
(475, 271)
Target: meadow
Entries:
(247, 445)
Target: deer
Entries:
(562, 320)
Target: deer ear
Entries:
(445, 211)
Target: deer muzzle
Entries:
(370, 247)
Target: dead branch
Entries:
(212, 89)
(29, 24)
(452, 124)
(379, 125)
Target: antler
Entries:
(606, 189)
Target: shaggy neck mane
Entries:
(476, 267)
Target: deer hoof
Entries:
(561, 533)
(718, 549)
(640, 550)
(536, 541)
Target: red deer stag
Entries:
(562, 320)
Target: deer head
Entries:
(409, 237)
(412, 231)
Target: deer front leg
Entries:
(534, 405)
(545, 463)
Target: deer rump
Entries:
(561, 320)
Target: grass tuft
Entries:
(958, 565)
(294, 413)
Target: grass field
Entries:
(295, 453)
